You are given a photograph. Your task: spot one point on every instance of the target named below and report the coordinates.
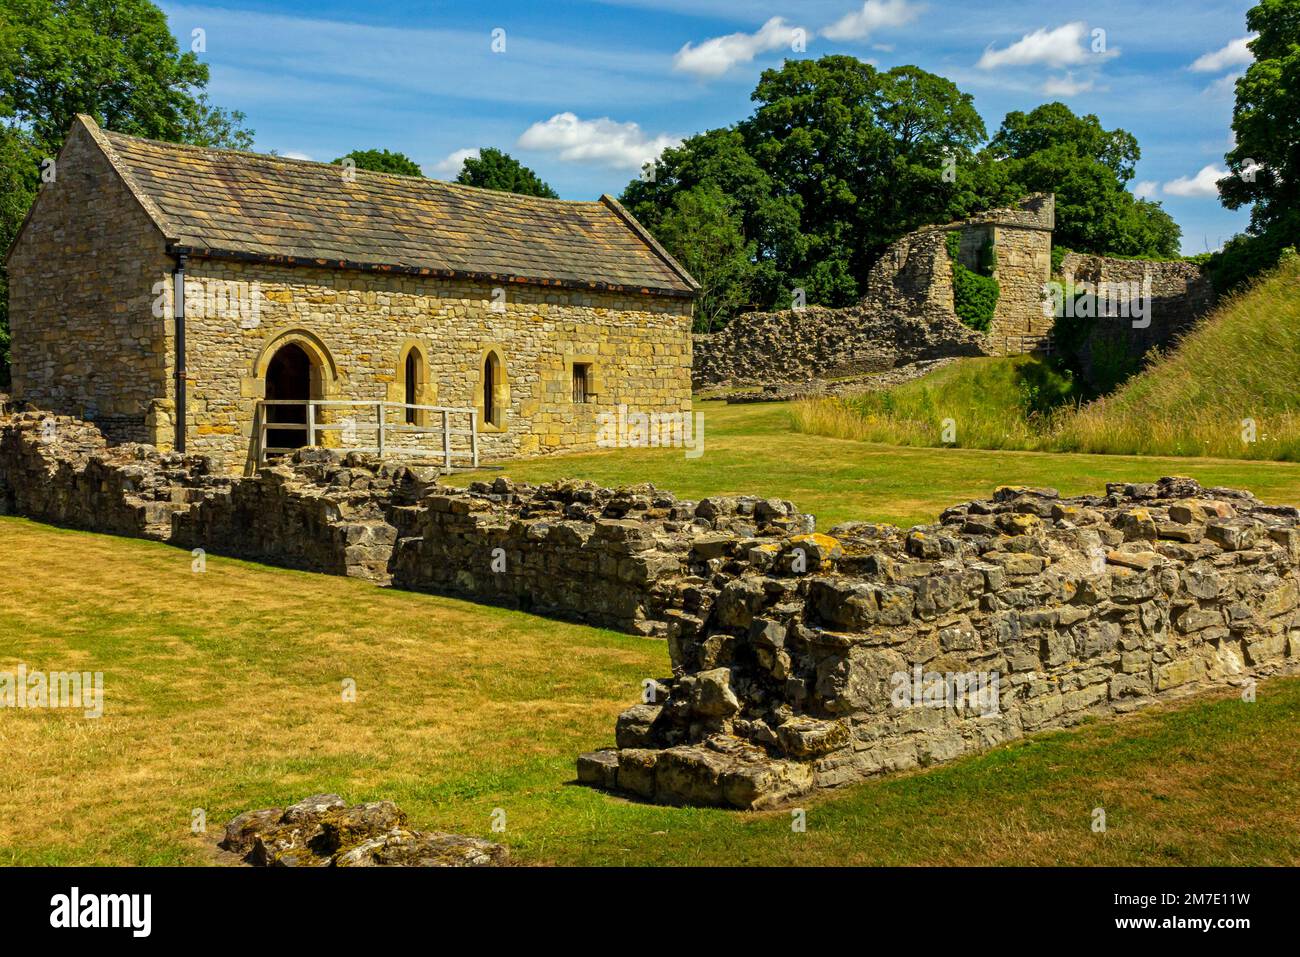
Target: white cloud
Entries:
(295, 155)
(1068, 45)
(1066, 86)
(1204, 183)
(449, 166)
(874, 15)
(1146, 189)
(1224, 87)
(1235, 53)
(604, 141)
(716, 56)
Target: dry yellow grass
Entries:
(223, 693)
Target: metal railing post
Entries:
(473, 435)
(446, 439)
(311, 423)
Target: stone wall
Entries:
(1181, 295)
(81, 301)
(906, 314)
(620, 559)
(904, 649)
(358, 328)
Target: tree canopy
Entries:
(494, 169)
(1264, 165)
(839, 159)
(383, 161)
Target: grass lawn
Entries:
(751, 449)
(223, 692)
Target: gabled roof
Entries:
(231, 204)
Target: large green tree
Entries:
(383, 161)
(1264, 165)
(115, 60)
(494, 169)
(1050, 149)
(704, 225)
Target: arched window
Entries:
(491, 374)
(412, 381)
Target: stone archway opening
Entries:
(289, 377)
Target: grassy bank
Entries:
(1228, 390)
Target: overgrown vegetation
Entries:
(1227, 390)
(974, 294)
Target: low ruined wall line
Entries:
(800, 660)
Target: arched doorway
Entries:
(288, 378)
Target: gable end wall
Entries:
(81, 292)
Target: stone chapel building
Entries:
(307, 280)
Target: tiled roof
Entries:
(246, 205)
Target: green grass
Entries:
(223, 693)
(1235, 375)
(752, 449)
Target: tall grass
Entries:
(1231, 389)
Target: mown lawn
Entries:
(224, 693)
(751, 449)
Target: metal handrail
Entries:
(379, 426)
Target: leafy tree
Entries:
(19, 177)
(383, 161)
(703, 231)
(497, 170)
(862, 154)
(1088, 167)
(1265, 162)
(113, 59)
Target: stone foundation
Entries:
(905, 649)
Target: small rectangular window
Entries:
(582, 382)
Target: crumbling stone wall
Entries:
(799, 660)
(574, 550)
(906, 314)
(1181, 294)
(903, 649)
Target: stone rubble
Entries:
(906, 648)
(323, 831)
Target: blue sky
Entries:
(585, 90)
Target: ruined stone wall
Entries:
(81, 301)
(615, 558)
(1181, 294)
(906, 314)
(904, 649)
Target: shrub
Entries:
(974, 297)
